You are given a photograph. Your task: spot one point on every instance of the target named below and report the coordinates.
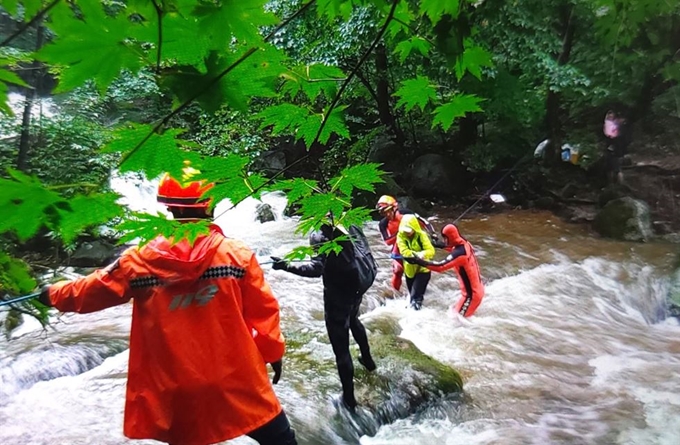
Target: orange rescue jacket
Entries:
(204, 325)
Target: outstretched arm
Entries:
(101, 289)
(313, 269)
(440, 266)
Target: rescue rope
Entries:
(20, 299)
(488, 192)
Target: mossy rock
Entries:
(625, 219)
(406, 379)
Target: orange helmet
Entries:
(186, 193)
(386, 202)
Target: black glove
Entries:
(278, 264)
(44, 296)
(437, 243)
(415, 260)
(277, 367)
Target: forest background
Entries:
(330, 101)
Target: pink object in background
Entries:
(611, 127)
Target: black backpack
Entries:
(367, 268)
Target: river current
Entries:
(571, 345)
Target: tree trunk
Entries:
(383, 95)
(31, 95)
(553, 100)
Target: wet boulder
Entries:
(435, 175)
(625, 219)
(264, 213)
(94, 254)
(405, 381)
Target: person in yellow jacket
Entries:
(414, 242)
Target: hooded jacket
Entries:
(417, 245)
(204, 325)
(461, 259)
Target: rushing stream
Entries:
(570, 346)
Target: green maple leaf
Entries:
(10, 77)
(321, 78)
(334, 124)
(458, 106)
(406, 47)
(316, 206)
(312, 80)
(143, 228)
(435, 9)
(284, 118)
(361, 177)
(416, 92)
(15, 277)
(183, 42)
(10, 6)
(235, 89)
(4, 98)
(230, 176)
(332, 9)
(7, 76)
(299, 253)
(31, 8)
(472, 60)
(355, 216)
(87, 211)
(297, 188)
(96, 47)
(159, 154)
(26, 205)
(238, 20)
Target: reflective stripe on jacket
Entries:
(204, 325)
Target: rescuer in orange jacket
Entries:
(391, 213)
(463, 260)
(204, 325)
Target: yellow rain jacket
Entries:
(417, 245)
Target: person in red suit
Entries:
(463, 261)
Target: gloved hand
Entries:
(436, 242)
(278, 264)
(44, 296)
(277, 367)
(416, 260)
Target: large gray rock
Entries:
(386, 152)
(625, 219)
(94, 254)
(433, 175)
(264, 213)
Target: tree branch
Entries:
(361, 61)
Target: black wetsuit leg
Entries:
(337, 317)
(417, 286)
(275, 432)
(359, 334)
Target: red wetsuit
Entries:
(462, 259)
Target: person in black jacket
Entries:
(342, 298)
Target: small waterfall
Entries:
(23, 371)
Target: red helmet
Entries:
(386, 202)
(186, 193)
